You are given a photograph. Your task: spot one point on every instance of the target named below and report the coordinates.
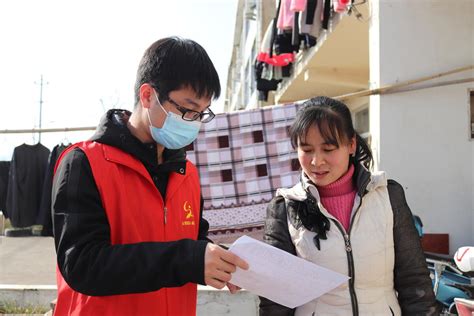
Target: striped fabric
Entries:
(242, 158)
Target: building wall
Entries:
(422, 137)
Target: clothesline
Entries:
(401, 85)
(47, 130)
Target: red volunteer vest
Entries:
(124, 185)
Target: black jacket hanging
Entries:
(4, 169)
(44, 216)
(25, 183)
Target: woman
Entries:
(347, 219)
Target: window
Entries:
(471, 102)
(223, 141)
(361, 121)
(361, 124)
(226, 175)
(257, 136)
(262, 170)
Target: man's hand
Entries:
(219, 264)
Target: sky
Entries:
(88, 52)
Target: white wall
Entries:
(421, 138)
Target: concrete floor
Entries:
(27, 261)
(27, 271)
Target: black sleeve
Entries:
(203, 224)
(276, 234)
(411, 274)
(87, 260)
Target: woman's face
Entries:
(323, 163)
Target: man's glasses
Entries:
(191, 115)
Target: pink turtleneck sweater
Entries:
(338, 197)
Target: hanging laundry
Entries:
(4, 169)
(309, 13)
(44, 215)
(340, 5)
(265, 60)
(284, 45)
(295, 33)
(310, 22)
(298, 5)
(264, 85)
(266, 54)
(326, 13)
(25, 184)
(285, 15)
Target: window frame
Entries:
(470, 109)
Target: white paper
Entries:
(279, 276)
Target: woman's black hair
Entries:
(173, 63)
(334, 121)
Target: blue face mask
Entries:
(175, 133)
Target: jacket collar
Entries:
(113, 131)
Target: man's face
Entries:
(178, 100)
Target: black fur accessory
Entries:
(309, 215)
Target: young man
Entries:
(129, 235)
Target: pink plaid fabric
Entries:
(242, 158)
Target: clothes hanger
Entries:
(65, 141)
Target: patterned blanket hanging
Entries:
(243, 157)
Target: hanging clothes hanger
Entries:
(65, 140)
(352, 9)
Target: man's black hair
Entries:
(173, 63)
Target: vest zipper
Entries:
(350, 263)
(350, 260)
(350, 257)
(165, 213)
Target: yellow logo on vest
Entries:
(189, 216)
